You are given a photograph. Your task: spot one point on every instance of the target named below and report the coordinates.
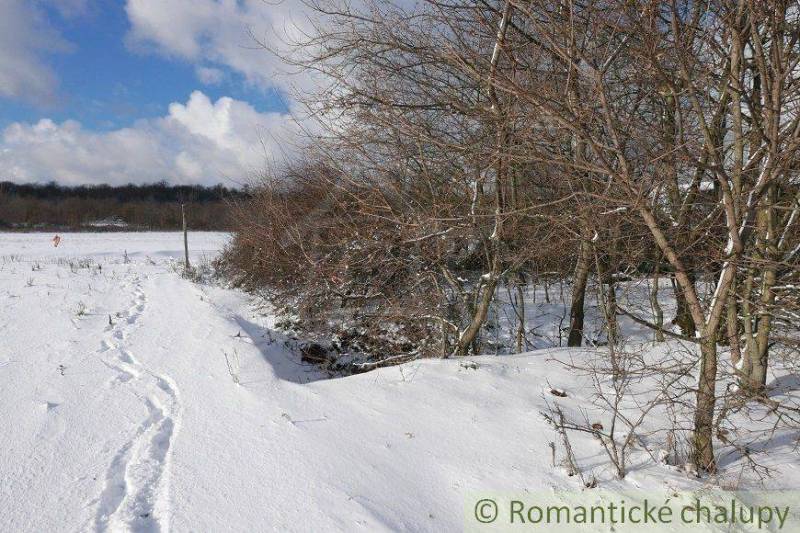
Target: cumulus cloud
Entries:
(219, 32)
(25, 37)
(199, 141)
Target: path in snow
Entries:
(139, 473)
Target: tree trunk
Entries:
(187, 267)
(658, 313)
(746, 366)
(470, 334)
(760, 346)
(758, 342)
(704, 410)
(576, 311)
(732, 322)
(768, 277)
(683, 315)
(608, 300)
(520, 311)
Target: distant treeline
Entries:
(144, 207)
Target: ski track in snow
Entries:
(135, 496)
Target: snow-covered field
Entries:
(119, 411)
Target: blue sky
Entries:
(113, 76)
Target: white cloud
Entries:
(209, 75)
(25, 36)
(70, 8)
(197, 142)
(219, 32)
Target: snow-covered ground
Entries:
(119, 411)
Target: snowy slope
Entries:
(119, 411)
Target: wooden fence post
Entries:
(185, 241)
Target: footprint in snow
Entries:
(107, 345)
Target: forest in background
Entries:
(104, 207)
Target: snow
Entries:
(109, 222)
(120, 412)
